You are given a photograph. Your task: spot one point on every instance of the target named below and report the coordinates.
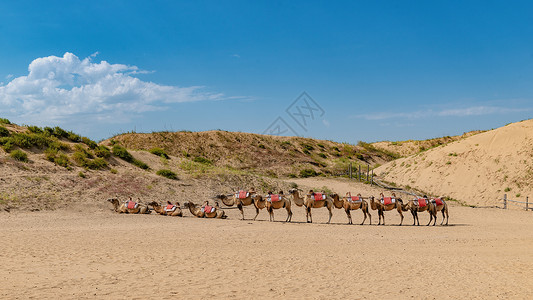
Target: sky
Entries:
(338, 70)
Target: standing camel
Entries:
(277, 201)
(244, 198)
(440, 205)
(206, 211)
(350, 203)
(317, 200)
(130, 207)
(386, 204)
(419, 205)
(169, 210)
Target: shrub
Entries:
(262, 146)
(3, 131)
(507, 189)
(96, 164)
(73, 137)
(90, 143)
(4, 121)
(322, 155)
(167, 173)
(49, 131)
(81, 174)
(35, 129)
(140, 164)
(308, 173)
(19, 155)
(202, 160)
(113, 171)
(308, 147)
(102, 151)
(50, 154)
(59, 132)
(122, 153)
(62, 160)
(7, 146)
(159, 152)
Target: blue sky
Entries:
(378, 70)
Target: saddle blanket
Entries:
(208, 209)
(274, 198)
(319, 196)
(132, 205)
(438, 201)
(242, 195)
(170, 208)
(422, 202)
(355, 199)
(388, 200)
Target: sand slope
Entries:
(477, 170)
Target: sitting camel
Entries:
(278, 201)
(317, 200)
(244, 198)
(206, 211)
(440, 205)
(129, 207)
(350, 203)
(386, 204)
(169, 210)
(420, 205)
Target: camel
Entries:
(440, 205)
(386, 204)
(130, 207)
(169, 210)
(350, 203)
(206, 211)
(295, 193)
(244, 198)
(276, 202)
(317, 200)
(420, 205)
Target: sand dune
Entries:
(477, 170)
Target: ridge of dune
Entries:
(477, 170)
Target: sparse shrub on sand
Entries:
(140, 164)
(81, 174)
(7, 145)
(113, 171)
(19, 155)
(90, 143)
(159, 152)
(167, 173)
(308, 173)
(4, 132)
(202, 160)
(122, 153)
(35, 129)
(102, 151)
(507, 189)
(4, 121)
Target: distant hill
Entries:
(410, 147)
(261, 154)
(476, 170)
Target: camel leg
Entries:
(364, 219)
(430, 218)
(435, 217)
(310, 215)
(349, 215)
(239, 206)
(289, 215)
(330, 214)
(444, 209)
(383, 216)
(256, 213)
(414, 217)
(401, 215)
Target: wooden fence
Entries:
(506, 202)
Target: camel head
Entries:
(154, 204)
(381, 195)
(177, 205)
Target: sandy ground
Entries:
(484, 254)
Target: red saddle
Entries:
(387, 200)
(422, 202)
(131, 205)
(355, 198)
(438, 201)
(274, 198)
(243, 194)
(319, 196)
(208, 209)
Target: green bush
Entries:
(122, 153)
(202, 160)
(7, 146)
(113, 171)
(73, 137)
(62, 160)
(81, 174)
(59, 132)
(19, 155)
(96, 164)
(308, 173)
(87, 141)
(102, 151)
(3, 131)
(159, 152)
(140, 164)
(35, 129)
(4, 121)
(167, 173)
(322, 155)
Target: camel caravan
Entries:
(309, 201)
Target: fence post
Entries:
(527, 203)
(350, 170)
(367, 172)
(372, 179)
(359, 172)
(504, 201)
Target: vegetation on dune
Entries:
(19, 155)
(159, 152)
(4, 121)
(167, 173)
(125, 155)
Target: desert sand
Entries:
(87, 252)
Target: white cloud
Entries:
(457, 112)
(63, 88)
